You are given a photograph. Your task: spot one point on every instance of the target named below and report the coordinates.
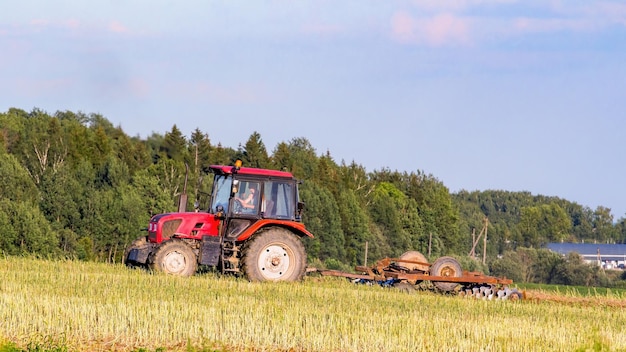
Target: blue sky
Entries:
(482, 94)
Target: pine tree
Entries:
(254, 152)
(174, 145)
(200, 151)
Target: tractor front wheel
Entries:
(174, 257)
(275, 254)
(139, 244)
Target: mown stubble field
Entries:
(78, 306)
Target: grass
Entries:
(79, 306)
(577, 290)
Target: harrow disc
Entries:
(509, 294)
(489, 292)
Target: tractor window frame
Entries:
(222, 186)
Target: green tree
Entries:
(133, 153)
(545, 266)
(582, 222)
(119, 220)
(620, 228)
(281, 157)
(223, 155)
(354, 177)
(67, 115)
(112, 173)
(254, 153)
(44, 147)
(509, 265)
(97, 121)
(436, 211)
(529, 226)
(603, 229)
(556, 221)
(200, 154)
(25, 230)
(154, 144)
(302, 158)
(80, 140)
(574, 271)
(61, 194)
(154, 199)
(12, 129)
(544, 223)
(200, 151)
(355, 227)
(537, 265)
(175, 145)
(101, 147)
(322, 218)
(388, 204)
(327, 173)
(15, 182)
(414, 226)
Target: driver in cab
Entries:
(248, 200)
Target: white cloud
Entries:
(455, 5)
(322, 29)
(469, 22)
(117, 27)
(544, 25)
(608, 12)
(440, 30)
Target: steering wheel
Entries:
(238, 206)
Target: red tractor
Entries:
(253, 227)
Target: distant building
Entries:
(609, 256)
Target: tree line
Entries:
(74, 185)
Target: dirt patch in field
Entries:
(541, 296)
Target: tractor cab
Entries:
(250, 193)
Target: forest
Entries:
(75, 186)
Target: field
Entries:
(79, 306)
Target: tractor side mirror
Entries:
(219, 213)
(300, 208)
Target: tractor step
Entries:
(210, 250)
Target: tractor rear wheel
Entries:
(174, 257)
(275, 254)
(447, 267)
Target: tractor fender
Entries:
(295, 227)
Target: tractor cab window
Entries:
(222, 184)
(279, 200)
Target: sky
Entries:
(482, 94)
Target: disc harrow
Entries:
(490, 292)
(410, 272)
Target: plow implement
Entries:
(410, 270)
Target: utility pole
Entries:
(485, 241)
(475, 240)
(472, 253)
(430, 242)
